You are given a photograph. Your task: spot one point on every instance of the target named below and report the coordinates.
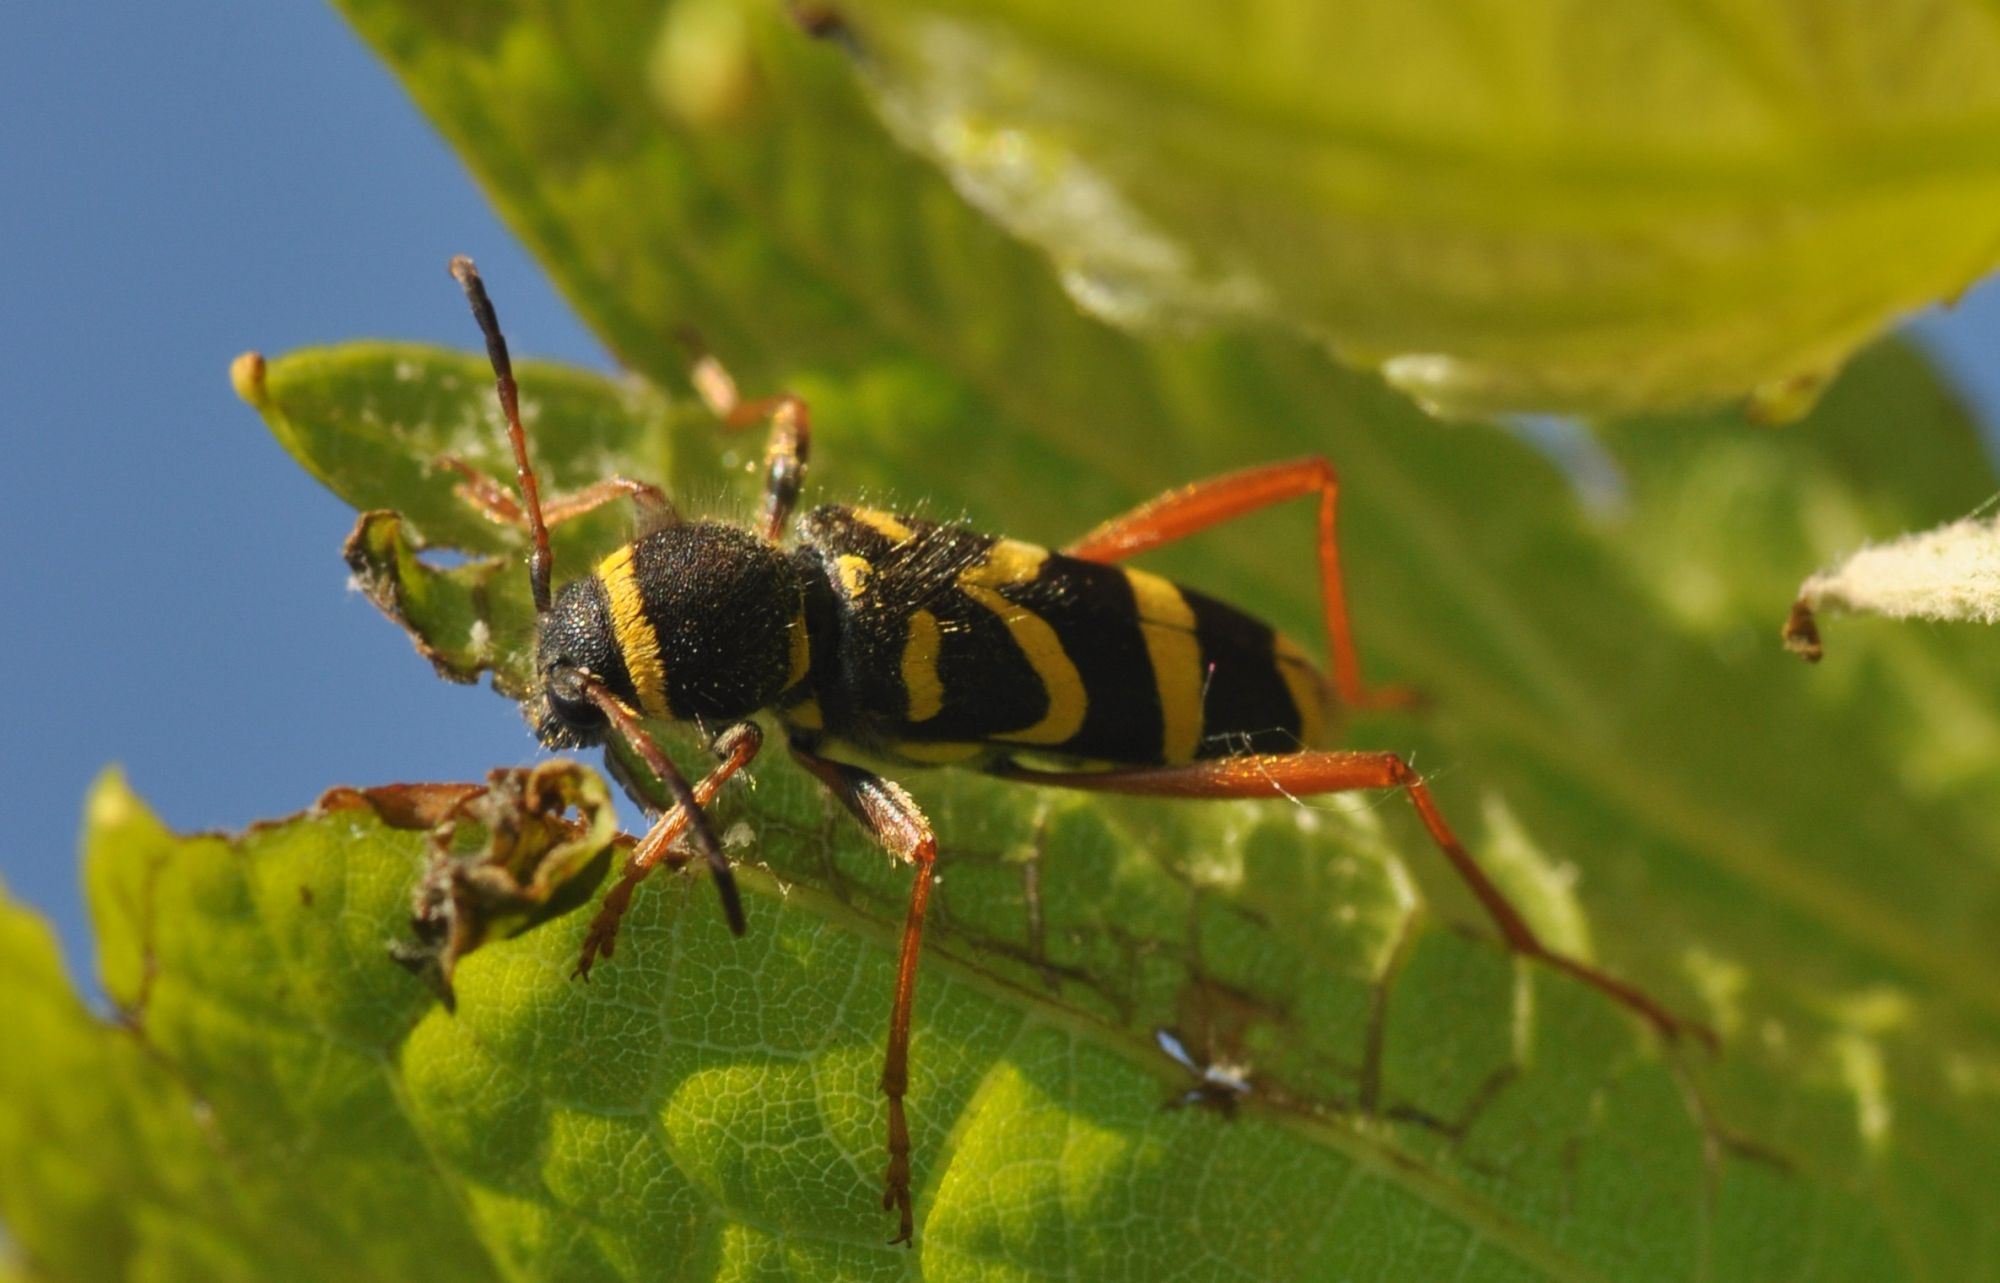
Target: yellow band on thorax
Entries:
(638, 644)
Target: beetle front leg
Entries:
(1204, 504)
(736, 746)
(497, 503)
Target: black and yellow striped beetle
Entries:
(876, 639)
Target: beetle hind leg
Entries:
(1294, 775)
(1191, 509)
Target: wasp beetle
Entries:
(875, 639)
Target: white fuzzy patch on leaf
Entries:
(1950, 573)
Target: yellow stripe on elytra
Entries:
(882, 523)
(1166, 621)
(1007, 562)
(854, 573)
(1307, 686)
(805, 714)
(920, 667)
(801, 650)
(638, 644)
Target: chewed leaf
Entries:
(1950, 573)
(709, 1103)
(381, 424)
(503, 858)
(451, 613)
(1527, 206)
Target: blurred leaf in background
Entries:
(1523, 205)
(1803, 858)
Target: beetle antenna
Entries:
(510, 402)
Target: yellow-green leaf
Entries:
(1523, 205)
(1589, 678)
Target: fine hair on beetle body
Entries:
(881, 640)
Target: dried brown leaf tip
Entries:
(1801, 633)
(529, 846)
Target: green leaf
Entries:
(1590, 675)
(1835, 978)
(1527, 205)
(1801, 857)
(1508, 206)
(1391, 1053)
(285, 1103)
(243, 1117)
(1569, 657)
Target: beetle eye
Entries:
(567, 700)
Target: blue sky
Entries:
(185, 182)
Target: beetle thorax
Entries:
(694, 621)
